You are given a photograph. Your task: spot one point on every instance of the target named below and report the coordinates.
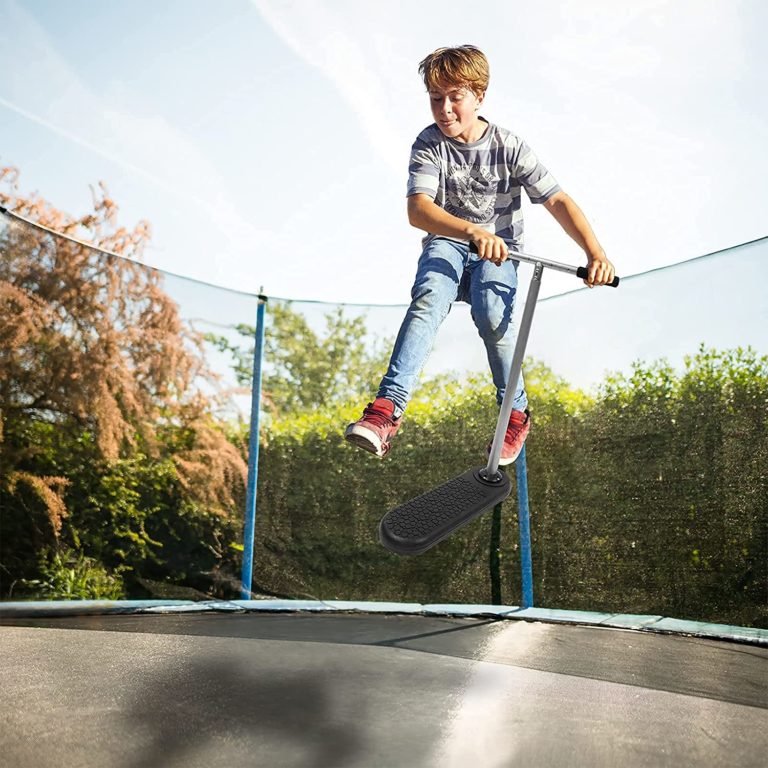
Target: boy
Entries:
(464, 186)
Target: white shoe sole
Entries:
(504, 462)
(365, 439)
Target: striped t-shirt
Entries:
(480, 182)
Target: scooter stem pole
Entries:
(514, 375)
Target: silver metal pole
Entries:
(530, 259)
(517, 366)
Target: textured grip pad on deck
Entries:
(417, 525)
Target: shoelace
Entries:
(376, 417)
(516, 423)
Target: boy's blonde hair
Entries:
(464, 66)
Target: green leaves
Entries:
(309, 366)
(69, 575)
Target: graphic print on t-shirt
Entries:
(471, 189)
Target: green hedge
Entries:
(650, 497)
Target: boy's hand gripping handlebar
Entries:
(527, 257)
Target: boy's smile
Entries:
(455, 112)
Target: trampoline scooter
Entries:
(418, 524)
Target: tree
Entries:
(306, 369)
(96, 368)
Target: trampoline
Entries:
(284, 683)
(336, 684)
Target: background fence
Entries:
(125, 395)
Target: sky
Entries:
(267, 141)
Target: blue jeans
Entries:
(448, 272)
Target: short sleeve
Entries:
(423, 170)
(538, 182)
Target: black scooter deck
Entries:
(417, 525)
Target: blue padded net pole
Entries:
(253, 454)
(524, 522)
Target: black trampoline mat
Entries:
(359, 690)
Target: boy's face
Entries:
(455, 111)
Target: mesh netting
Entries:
(647, 461)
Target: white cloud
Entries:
(337, 39)
(114, 129)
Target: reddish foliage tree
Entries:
(91, 340)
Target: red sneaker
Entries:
(378, 426)
(517, 430)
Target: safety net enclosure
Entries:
(126, 402)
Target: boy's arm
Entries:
(569, 216)
(424, 213)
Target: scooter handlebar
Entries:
(578, 271)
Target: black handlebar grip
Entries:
(582, 273)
